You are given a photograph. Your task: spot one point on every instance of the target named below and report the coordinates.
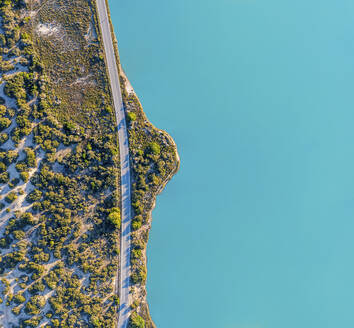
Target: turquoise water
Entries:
(257, 228)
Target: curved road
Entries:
(124, 310)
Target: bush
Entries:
(154, 148)
(14, 182)
(35, 304)
(137, 222)
(20, 167)
(131, 117)
(3, 137)
(16, 310)
(3, 167)
(34, 195)
(4, 123)
(114, 217)
(11, 197)
(136, 321)
(11, 156)
(19, 299)
(24, 176)
(55, 322)
(4, 177)
(36, 288)
(139, 276)
(33, 322)
(18, 234)
(28, 218)
(30, 157)
(2, 110)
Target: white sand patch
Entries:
(83, 80)
(91, 34)
(32, 13)
(57, 32)
(63, 151)
(47, 29)
(13, 172)
(128, 87)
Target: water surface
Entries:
(256, 230)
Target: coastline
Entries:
(138, 291)
(130, 89)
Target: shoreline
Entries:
(140, 291)
(128, 86)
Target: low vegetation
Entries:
(58, 169)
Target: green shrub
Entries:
(136, 321)
(154, 148)
(16, 310)
(36, 287)
(131, 117)
(3, 167)
(11, 197)
(21, 167)
(11, 156)
(33, 322)
(24, 176)
(35, 304)
(4, 123)
(114, 217)
(14, 182)
(2, 110)
(139, 275)
(28, 218)
(137, 222)
(4, 177)
(19, 299)
(3, 137)
(34, 195)
(30, 157)
(18, 234)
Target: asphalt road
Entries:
(124, 276)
